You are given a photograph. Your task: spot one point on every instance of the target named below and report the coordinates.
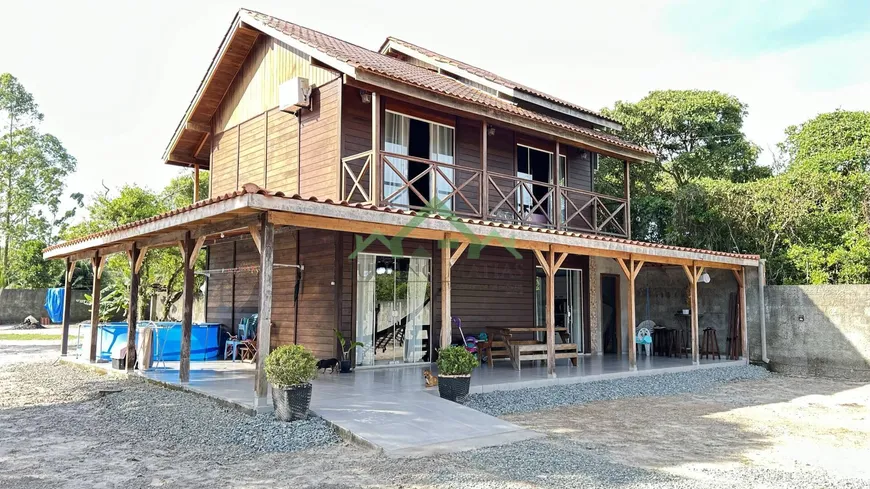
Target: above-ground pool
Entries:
(205, 339)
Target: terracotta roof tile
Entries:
(374, 62)
(496, 78)
(250, 188)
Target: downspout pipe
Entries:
(762, 278)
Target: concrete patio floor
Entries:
(390, 408)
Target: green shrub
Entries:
(455, 360)
(290, 365)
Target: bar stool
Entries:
(710, 343)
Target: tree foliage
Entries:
(33, 167)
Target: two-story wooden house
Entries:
(339, 173)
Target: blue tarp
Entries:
(54, 304)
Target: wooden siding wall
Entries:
(468, 156)
(263, 150)
(255, 88)
(356, 134)
(232, 297)
(319, 146)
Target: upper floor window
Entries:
(412, 183)
(533, 200)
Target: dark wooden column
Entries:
(627, 209)
(133, 309)
(188, 262)
(484, 178)
(377, 168)
(740, 277)
(556, 201)
(67, 302)
(97, 264)
(264, 314)
(195, 183)
(634, 269)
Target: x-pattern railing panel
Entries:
(360, 181)
(597, 213)
(514, 195)
(437, 174)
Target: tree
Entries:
(33, 167)
(837, 141)
(694, 134)
(162, 270)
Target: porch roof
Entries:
(241, 209)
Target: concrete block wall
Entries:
(820, 330)
(17, 304)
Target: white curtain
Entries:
(365, 309)
(441, 150)
(397, 134)
(418, 310)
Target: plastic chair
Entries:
(244, 342)
(644, 337)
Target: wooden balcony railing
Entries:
(593, 213)
(433, 185)
(357, 178)
(395, 180)
(521, 201)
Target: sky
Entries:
(114, 78)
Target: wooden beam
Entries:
(738, 276)
(376, 167)
(632, 319)
(187, 159)
(637, 265)
(543, 262)
(67, 305)
(455, 257)
(627, 196)
(560, 261)
(196, 182)
(133, 308)
(194, 253)
(140, 260)
(197, 127)
(688, 274)
(446, 318)
(624, 267)
(97, 265)
(186, 313)
(255, 235)
(264, 318)
(716, 265)
(698, 272)
(551, 314)
(484, 191)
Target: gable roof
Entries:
(392, 42)
(356, 61)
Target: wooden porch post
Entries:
(557, 198)
(195, 183)
(133, 309)
(97, 263)
(67, 302)
(377, 167)
(484, 178)
(187, 261)
(693, 274)
(551, 313)
(627, 192)
(740, 276)
(634, 269)
(264, 318)
(446, 319)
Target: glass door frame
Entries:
(356, 308)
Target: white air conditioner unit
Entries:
(294, 94)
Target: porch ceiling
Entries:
(244, 207)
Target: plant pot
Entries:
(453, 387)
(344, 367)
(291, 402)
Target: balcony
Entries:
(419, 183)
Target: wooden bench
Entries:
(517, 350)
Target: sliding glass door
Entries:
(568, 303)
(392, 309)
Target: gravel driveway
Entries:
(58, 430)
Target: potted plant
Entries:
(344, 366)
(289, 369)
(455, 364)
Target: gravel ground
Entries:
(524, 400)
(58, 430)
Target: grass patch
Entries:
(32, 337)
